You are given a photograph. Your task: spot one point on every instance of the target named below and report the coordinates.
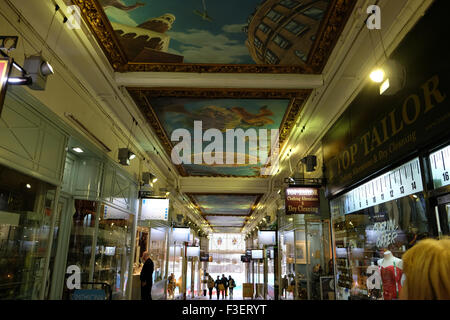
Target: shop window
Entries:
(301, 55)
(314, 13)
(295, 27)
(271, 58)
(158, 252)
(289, 3)
(113, 256)
(25, 217)
(281, 42)
(258, 43)
(391, 220)
(263, 27)
(274, 15)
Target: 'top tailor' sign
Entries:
(302, 200)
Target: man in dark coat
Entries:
(225, 285)
(216, 284)
(146, 277)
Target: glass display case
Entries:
(81, 240)
(113, 255)
(25, 221)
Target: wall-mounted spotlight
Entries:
(377, 75)
(20, 81)
(310, 162)
(38, 69)
(125, 155)
(395, 78)
(391, 76)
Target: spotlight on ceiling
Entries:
(28, 186)
(38, 69)
(125, 155)
(78, 150)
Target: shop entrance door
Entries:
(443, 214)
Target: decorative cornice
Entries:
(329, 32)
(213, 68)
(100, 26)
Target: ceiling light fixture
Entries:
(28, 186)
(78, 150)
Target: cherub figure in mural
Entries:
(260, 119)
(120, 5)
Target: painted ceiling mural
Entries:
(175, 113)
(233, 32)
(208, 31)
(225, 212)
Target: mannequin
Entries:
(391, 275)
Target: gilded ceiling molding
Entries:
(100, 26)
(330, 31)
(213, 68)
(331, 28)
(141, 97)
(213, 93)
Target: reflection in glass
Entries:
(25, 219)
(366, 239)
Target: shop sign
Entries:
(113, 213)
(155, 209)
(387, 232)
(377, 130)
(5, 68)
(440, 167)
(403, 181)
(266, 237)
(302, 200)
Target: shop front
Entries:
(305, 258)
(387, 175)
(32, 151)
(98, 224)
(60, 197)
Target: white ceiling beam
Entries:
(219, 80)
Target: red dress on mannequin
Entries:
(391, 277)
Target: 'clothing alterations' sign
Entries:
(302, 200)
